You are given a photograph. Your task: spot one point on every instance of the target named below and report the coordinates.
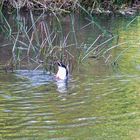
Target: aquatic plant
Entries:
(4, 25)
(39, 45)
(42, 43)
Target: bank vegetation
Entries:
(129, 7)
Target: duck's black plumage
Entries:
(62, 71)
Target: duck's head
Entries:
(62, 72)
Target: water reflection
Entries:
(62, 85)
(102, 104)
(36, 77)
(29, 106)
(39, 77)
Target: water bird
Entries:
(62, 73)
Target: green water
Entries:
(99, 102)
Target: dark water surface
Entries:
(99, 102)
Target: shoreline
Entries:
(68, 6)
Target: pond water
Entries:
(98, 102)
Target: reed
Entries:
(41, 45)
(38, 47)
(5, 26)
(1, 4)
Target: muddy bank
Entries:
(66, 6)
(108, 7)
(57, 6)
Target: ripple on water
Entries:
(31, 110)
(36, 77)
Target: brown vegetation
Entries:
(125, 7)
(52, 5)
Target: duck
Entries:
(62, 73)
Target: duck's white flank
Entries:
(62, 73)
